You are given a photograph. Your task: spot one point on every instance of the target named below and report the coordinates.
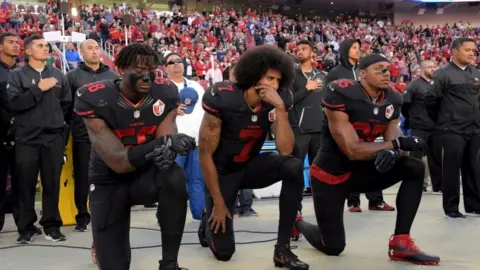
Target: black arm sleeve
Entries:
(434, 95)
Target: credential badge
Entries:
(136, 114)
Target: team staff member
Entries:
(236, 123)
(132, 162)
(350, 161)
(89, 71)
(9, 48)
(40, 99)
(453, 105)
(348, 69)
(413, 109)
(190, 114)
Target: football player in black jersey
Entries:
(350, 160)
(238, 117)
(131, 125)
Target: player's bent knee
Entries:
(333, 251)
(415, 169)
(292, 169)
(223, 254)
(175, 182)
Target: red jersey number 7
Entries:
(252, 135)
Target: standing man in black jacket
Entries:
(347, 69)
(39, 97)
(9, 48)
(413, 109)
(453, 104)
(89, 71)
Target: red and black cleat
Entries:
(295, 232)
(283, 257)
(403, 248)
(381, 207)
(355, 209)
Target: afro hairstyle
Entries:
(255, 63)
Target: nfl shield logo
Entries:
(375, 111)
(272, 115)
(136, 114)
(254, 118)
(158, 108)
(389, 111)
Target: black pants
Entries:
(434, 156)
(460, 153)
(244, 200)
(110, 210)
(330, 192)
(262, 171)
(306, 143)
(81, 159)
(10, 200)
(47, 159)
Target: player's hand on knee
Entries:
(385, 160)
(412, 143)
(181, 143)
(162, 156)
(218, 218)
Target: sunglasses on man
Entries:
(173, 62)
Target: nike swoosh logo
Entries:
(79, 94)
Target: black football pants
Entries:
(10, 200)
(330, 193)
(47, 159)
(460, 153)
(434, 156)
(81, 158)
(262, 171)
(110, 210)
(307, 143)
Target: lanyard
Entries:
(313, 71)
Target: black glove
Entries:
(385, 160)
(181, 143)
(412, 143)
(162, 156)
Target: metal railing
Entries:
(108, 49)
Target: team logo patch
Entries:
(158, 108)
(389, 111)
(272, 115)
(254, 118)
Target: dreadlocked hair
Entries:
(136, 54)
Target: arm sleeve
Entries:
(333, 100)
(407, 99)
(434, 95)
(21, 99)
(211, 102)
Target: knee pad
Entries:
(415, 169)
(174, 181)
(333, 251)
(292, 169)
(222, 255)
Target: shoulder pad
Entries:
(219, 96)
(96, 93)
(347, 88)
(394, 96)
(223, 87)
(166, 91)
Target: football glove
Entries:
(411, 143)
(162, 156)
(385, 160)
(181, 143)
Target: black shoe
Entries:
(201, 230)
(170, 268)
(153, 205)
(55, 236)
(81, 227)
(37, 231)
(284, 257)
(249, 213)
(455, 214)
(26, 237)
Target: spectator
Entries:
(72, 56)
(214, 74)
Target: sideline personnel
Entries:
(413, 109)
(39, 97)
(9, 48)
(453, 105)
(89, 71)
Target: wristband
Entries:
(396, 144)
(136, 155)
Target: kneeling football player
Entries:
(131, 125)
(351, 161)
(238, 117)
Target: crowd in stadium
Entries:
(205, 47)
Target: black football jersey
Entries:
(133, 124)
(369, 118)
(243, 130)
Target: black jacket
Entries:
(5, 114)
(77, 78)
(39, 117)
(413, 108)
(345, 70)
(453, 101)
(307, 105)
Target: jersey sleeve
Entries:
(85, 105)
(287, 97)
(211, 101)
(332, 99)
(168, 92)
